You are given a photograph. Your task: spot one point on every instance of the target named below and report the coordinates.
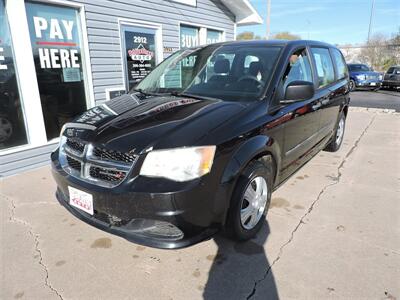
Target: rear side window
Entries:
(324, 66)
(340, 64)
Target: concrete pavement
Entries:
(384, 99)
(333, 231)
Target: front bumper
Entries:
(195, 209)
(368, 84)
(391, 83)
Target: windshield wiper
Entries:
(177, 94)
(146, 93)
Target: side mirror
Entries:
(298, 90)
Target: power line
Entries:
(268, 19)
(370, 20)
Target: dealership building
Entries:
(59, 58)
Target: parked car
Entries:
(201, 143)
(392, 78)
(364, 77)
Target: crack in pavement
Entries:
(335, 181)
(35, 236)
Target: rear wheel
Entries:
(250, 201)
(337, 138)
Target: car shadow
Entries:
(237, 267)
(395, 93)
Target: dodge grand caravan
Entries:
(200, 144)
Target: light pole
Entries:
(268, 19)
(370, 20)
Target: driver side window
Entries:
(298, 68)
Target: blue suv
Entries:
(364, 77)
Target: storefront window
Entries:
(12, 124)
(213, 36)
(190, 37)
(57, 49)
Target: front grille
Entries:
(97, 165)
(113, 176)
(370, 77)
(112, 155)
(75, 145)
(74, 163)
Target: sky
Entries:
(333, 21)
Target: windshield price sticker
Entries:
(2, 67)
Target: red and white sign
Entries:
(81, 200)
(141, 54)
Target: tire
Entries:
(337, 137)
(252, 177)
(352, 85)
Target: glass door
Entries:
(140, 53)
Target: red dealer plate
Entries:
(81, 200)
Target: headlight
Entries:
(380, 77)
(180, 164)
(361, 77)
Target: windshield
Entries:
(358, 68)
(228, 72)
(393, 70)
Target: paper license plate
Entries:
(81, 200)
(372, 83)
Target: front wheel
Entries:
(352, 85)
(250, 201)
(337, 138)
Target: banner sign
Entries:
(55, 43)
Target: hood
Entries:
(127, 123)
(368, 73)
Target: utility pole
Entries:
(370, 20)
(268, 19)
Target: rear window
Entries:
(340, 64)
(324, 65)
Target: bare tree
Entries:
(286, 35)
(247, 35)
(381, 52)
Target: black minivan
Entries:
(201, 143)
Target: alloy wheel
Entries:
(253, 202)
(352, 85)
(340, 131)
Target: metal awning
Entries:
(244, 12)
